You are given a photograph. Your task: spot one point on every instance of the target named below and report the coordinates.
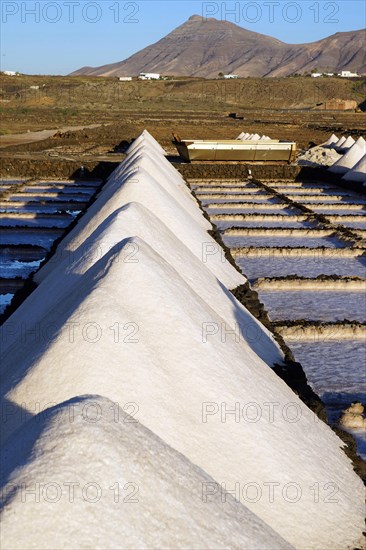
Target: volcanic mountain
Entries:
(204, 47)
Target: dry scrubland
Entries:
(283, 108)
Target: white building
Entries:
(227, 76)
(149, 76)
(10, 73)
(125, 78)
(347, 74)
(316, 75)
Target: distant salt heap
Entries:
(348, 143)
(331, 141)
(244, 136)
(348, 160)
(358, 172)
(339, 143)
(338, 154)
(318, 156)
(146, 321)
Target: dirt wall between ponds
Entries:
(54, 168)
(225, 170)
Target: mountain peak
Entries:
(196, 18)
(194, 49)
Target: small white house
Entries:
(149, 76)
(347, 74)
(316, 75)
(125, 78)
(227, 76)
(10, 73)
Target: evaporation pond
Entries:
(5, 300)
(60, 221)
(336, 371)
(305, 266)
(288, 223)
(42, 238)
(14, 268)
(281, 241)
(315, 305)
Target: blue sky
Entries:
(59, 36)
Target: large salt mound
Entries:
(159, 360)
(135, 220)
(105, 481)
(143, 188)
(358, 172)
(349, 160)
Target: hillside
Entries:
(205, 47)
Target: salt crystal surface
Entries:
(318, 156)
(134, 219)
(131, 490)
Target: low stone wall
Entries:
(217, 170)
(54, 168)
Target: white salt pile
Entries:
(339, 143)
(146, 321)
(331, 141)
(249, 137)
(318, 156)
(124, 488)
(348, 160)
(348, 143)
(136, 220)
(140, 186)
(358, 172)
(361, 142)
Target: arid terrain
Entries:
(91, 119)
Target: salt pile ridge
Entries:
(134, 326)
